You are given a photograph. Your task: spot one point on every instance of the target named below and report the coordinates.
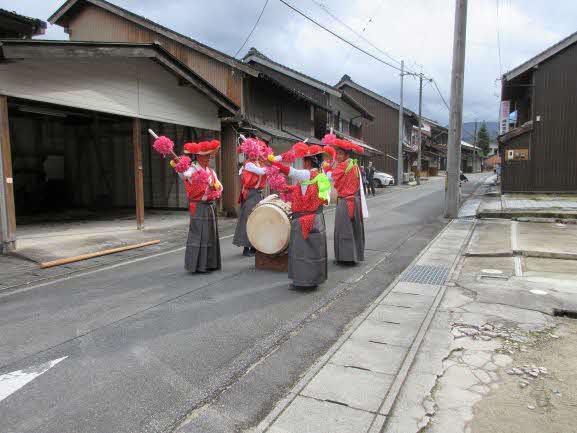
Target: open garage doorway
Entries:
(74, 173)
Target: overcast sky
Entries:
(418, 31)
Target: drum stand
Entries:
(271, 262)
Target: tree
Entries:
(483, 139)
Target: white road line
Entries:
(12, 382)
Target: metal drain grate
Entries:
(426, 274)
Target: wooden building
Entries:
(434, 138)
(74, 119)
(539, 151)
(99, 20)
(324, 106)
(15, 26)
(269, 106)
(383, 132)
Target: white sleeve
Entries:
(188, 173)
(250, 166)
(300, 175)
(330, 175)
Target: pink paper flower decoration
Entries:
(182, 164)
(200, 176)
(289, 156)
(275, 180)
(329, 139)
(251, 148)
(163, 145)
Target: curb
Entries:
(556, 215)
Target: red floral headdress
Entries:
(332, 140)
(202, 147)
(302, 150)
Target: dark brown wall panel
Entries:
(554, 157)
(383, 132)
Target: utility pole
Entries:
(419, 154)
(475, 149)
(452, 195)
(400, 145)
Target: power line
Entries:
(341, 38)
(440, 94)
(499, 40)
(358, 34)
(254, 28)
(405, 72)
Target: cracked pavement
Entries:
(495, 354)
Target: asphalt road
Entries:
(145, 347)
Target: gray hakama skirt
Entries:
(307, 265)
(253, 197)
(203, 245)
(349, 233)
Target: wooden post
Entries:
(7, 209)
(219, 169)
(138, 177)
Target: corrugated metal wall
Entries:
(95, 24)
(127, 87)
(382, 133)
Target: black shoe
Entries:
(302, 288)
(246, 252)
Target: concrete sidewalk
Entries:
(496, 356)
(354, 386)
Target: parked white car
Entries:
(383, 179)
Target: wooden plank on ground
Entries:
(67, 260)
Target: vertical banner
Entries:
(504, 117)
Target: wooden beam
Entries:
(138, 175)
(7, 208)
(67, 260)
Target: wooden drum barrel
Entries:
(268, 226)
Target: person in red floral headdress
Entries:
(203, 189)
(349, 235)
(253, 179)
(308, 240)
